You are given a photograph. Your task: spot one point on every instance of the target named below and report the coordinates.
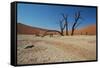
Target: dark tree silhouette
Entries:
(81, 33)
(65, 22)
(77, 16)
(62, 26)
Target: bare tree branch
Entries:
(61, 26)
(77, 25)
(77, 16)
(65, 22)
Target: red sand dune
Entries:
(88, 30)
(25, 29)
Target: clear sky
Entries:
(48, 16)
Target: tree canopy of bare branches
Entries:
(62, 26)
(77, 16)
(65, 22)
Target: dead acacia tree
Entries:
(51, 32)
(77, 16)
(62, 27)
(65, 22)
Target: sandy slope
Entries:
(55, 49)
(89, 30)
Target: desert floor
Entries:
(55, 49)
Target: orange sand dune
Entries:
(25, 29)
(30, 30)
(88, 30)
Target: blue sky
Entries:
(48, 16)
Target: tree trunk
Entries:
(66, 29)
(62, 33)
(65, 23)
(72, 32)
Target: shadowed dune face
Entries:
(25, 29)
(29, 30)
